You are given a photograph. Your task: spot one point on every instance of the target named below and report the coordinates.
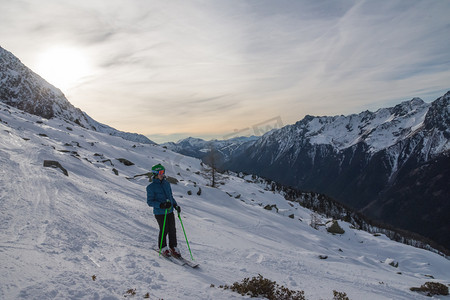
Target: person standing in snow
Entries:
(159, 196)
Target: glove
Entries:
(165, 205)
(177, 208)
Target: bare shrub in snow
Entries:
(315, 221)
(432, 288)
(339, 295)
(262, 287)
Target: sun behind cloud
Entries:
(63, 66)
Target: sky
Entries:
(222, 68)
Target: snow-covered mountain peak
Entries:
(379, 130)
(439, 115)
(200, 148)
(27, 91)
(191, 141)
(408, 107)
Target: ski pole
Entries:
(187, 242)
(162, 236)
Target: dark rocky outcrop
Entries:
(55, 164)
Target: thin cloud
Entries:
(221, 65)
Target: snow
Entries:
(379, 130)
(58, 231)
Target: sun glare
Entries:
(63, 67)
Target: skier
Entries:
(159, 196)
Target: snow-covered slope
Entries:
(22, 88)
(59, 231)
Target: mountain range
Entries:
(223, 150)
(392, 164)
(75, 225)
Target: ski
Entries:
(186, 262)
(179, 261)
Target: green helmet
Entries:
(158, 168)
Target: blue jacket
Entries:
(158, 192)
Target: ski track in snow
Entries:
(58, 231)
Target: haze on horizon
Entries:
(211, 69)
